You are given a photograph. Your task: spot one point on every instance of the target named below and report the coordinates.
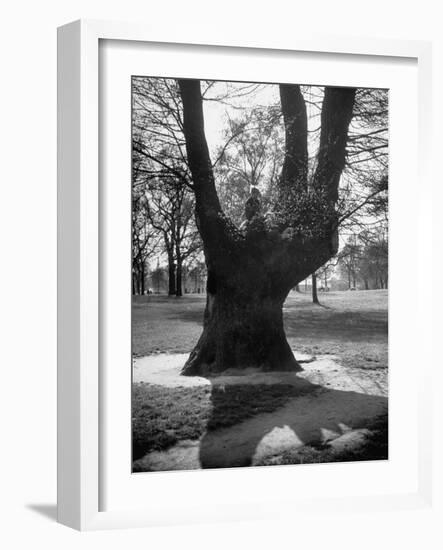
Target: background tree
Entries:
(160, 170)
(314, 288)
(349, 261)
(373, 267)
(197, 276)
(158, 278)
(171, 213)
(251, 157)
(145, 241)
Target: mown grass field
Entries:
(352, 325)
(164, 416)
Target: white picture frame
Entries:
(80, 411)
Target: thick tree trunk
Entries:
(241, 330)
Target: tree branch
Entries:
(336, 115)
(295, 165)
(214, 226)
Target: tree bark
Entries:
(179, 276)
(252, 270)
(314, 289)
(295, 166)
(243, 327)
(171, 273)
(142, 277)
(336, 116)
(171, 278)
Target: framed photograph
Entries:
(237, 333)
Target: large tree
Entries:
(251, 270)
(171, 213)
(145, 240)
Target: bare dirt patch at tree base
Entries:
(342, 404)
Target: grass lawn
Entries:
(352, 325)
(163, 416)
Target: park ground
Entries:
(335, 410)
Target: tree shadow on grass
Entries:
(312, 418)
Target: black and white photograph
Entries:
(222, 308)
(259, 274)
